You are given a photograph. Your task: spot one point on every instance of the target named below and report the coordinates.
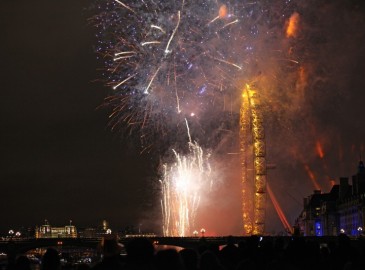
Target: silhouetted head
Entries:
(22, 263)
(51, 260)
(140, 250)
(230, 240)
(209, 261)
(111, 247)
(189, 258)
(168, 259)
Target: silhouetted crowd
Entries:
(252, 253)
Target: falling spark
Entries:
(150, 42)
(319, 149)
(188, 129)
(228, 63)
(228, 24)
(173, 33)
(124, 81)
(158, 27)
(121, 53)
(153, 77)
(122, 57)
(124, 5)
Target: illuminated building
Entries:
(48, 231)
(312, 219)
(340, 211)
(105, 225)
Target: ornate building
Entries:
(342, 210)
(48, 231)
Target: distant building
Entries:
(342, 210)
(48, 231)
(98, 232)
(318, 216)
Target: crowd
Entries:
(252, 253)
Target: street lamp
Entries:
(11, 233)
(202, 231)
(359, 230)
(18, 234)
(195, 233)
(108, 231)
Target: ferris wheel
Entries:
(253, 163)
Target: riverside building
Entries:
(342, 210)
(48, 231)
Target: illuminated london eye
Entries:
(253, 163)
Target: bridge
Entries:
(22, 245)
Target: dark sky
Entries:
(59, 160)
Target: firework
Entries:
(183, 184)
(167, 61)
(171, 60)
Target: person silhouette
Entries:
(111, 256)
(51, 260)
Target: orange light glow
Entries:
(302, 76)
(312, 177)
(292, 25)
(223, 11)
(319, 149)
(278, 209)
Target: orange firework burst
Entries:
(223, 11)
(292, 25)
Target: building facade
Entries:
(342, 210)
(48, 231)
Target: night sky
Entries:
(60, 160)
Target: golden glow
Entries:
(292, 25)
(253, 185)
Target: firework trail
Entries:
(183, 184)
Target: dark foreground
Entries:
(339, 253)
